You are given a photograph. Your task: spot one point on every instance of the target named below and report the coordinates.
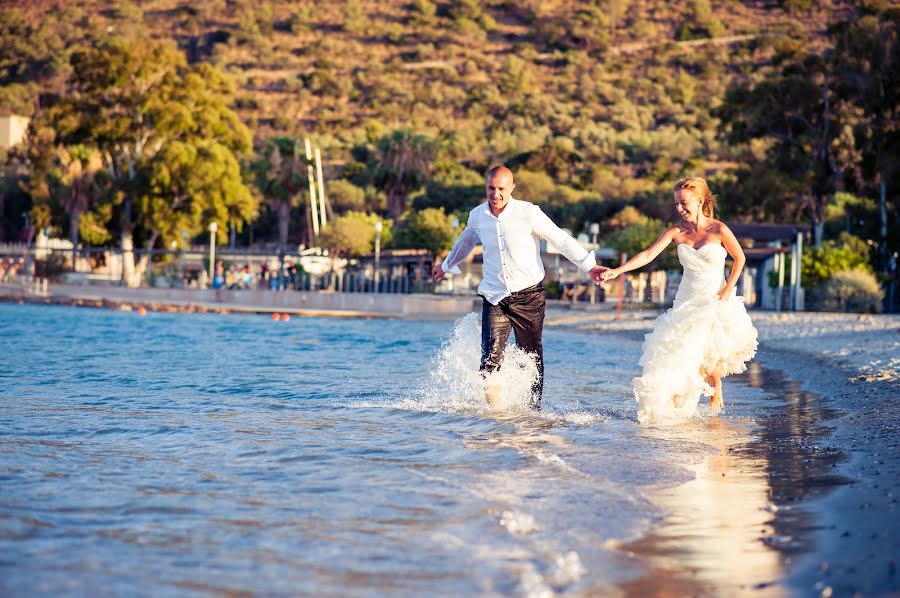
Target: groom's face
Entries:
(499, 189)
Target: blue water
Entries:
(177, 454)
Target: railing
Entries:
(189, 269)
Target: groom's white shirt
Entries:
(512, 250)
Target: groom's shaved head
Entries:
(501, 171)
(499, 187)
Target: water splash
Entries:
(454, 383)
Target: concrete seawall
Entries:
(313, 303)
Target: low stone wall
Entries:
(253, 300)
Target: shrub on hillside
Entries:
(345, 196)
(848, 291)
(356, 21)
(847, 252)
(533, 186)
(423, 13)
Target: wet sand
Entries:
(826, 452)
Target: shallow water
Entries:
(181, 453)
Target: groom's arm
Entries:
(458, 253)
(564, 243)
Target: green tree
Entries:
(615, 10)
(533, 186)
(636, 232)
(345, 196)
(355, 19)
(590, 27)
(80, 165)
(403, 163)
(33, 54)
(701, 22)
(465, 12)
(867, 69)
(423, 13)
(516, 77)
(453, 187)
(426, 229)
(282, 178)
(139, 105)
(353, 233)
(793, 114)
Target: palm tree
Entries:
(281, 177)
(79, 167)
(404, 161)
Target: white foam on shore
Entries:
(518, 523)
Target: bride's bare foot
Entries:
(717, 402)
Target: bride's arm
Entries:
(644, 257)
(730, 242)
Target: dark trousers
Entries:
(523, 313)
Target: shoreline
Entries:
(840, 423)
(857, 528)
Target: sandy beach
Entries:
(847, 367)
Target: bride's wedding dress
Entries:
(700, 334)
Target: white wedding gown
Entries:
(700, 333)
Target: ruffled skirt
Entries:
(694, 338)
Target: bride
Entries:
(707, 334)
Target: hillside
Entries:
(595, 104)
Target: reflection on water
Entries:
(736, 525)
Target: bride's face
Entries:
(687, 204)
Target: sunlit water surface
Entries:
(177, 453)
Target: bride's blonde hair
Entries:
(698, 185)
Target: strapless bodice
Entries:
(709, 256)
(704, 270)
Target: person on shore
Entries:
(707, 334)
(512, 287)
(218, 280)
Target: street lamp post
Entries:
(378, 227)
(172, 246)
(184, 240)
(595, 231)
(213, 227)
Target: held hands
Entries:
(610, 274)
(437, 272)
(597, 273)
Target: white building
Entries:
(12, 129)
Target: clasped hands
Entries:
(598, 274)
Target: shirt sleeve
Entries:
(461, 249)
(564, 243)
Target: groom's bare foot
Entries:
(493, 394)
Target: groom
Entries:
(512, 287)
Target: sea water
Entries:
(176, 454)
